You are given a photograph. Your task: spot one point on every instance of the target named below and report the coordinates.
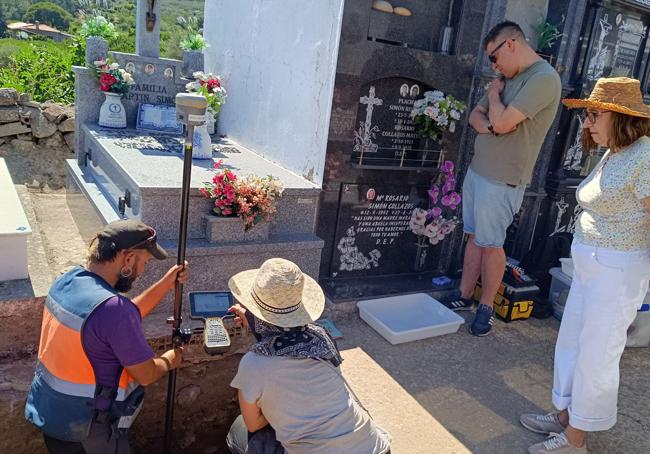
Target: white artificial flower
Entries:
(452, 126)
(428, 111)
(114, 66)
(99, 62)
(455, 114)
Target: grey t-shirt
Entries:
(307, 403)
(510, 158)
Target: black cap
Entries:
(132, 234)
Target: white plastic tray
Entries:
(406, 318)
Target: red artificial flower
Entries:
(106, 81)
(213, 83)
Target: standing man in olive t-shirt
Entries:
(512, 120)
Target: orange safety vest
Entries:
(61, 397)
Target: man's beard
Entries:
(124, 284)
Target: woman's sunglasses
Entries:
(593, 116)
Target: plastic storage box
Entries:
(406, 318)
(567, 266)
(557, 295)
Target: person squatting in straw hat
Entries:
(611, 256)
(292, 395)
(93, 358)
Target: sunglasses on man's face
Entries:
(492, 55)
(149, 241)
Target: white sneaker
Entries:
(557, 444)
(542, 424)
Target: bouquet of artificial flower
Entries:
(97, 26)
(209, 85)
(443, 199)
(436, 113)
(112, 78)
(252, 198)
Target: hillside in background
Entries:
(122, 14)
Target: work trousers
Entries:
(607, 289)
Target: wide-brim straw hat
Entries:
(617, 94)
(279, 293)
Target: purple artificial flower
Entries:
(448, 186)
(447, 167)
(433, 193)
(434, 212)
(451, 200)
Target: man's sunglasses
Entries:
(492, 55)
(149, 241)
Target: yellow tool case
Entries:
(511, 303)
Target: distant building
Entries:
(19, 28)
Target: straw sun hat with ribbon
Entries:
(279, 293)
(616, 94)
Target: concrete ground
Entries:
(450, 394)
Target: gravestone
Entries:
(387, 61)
(386, 135)
(130, 173)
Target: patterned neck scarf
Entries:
(308, 341)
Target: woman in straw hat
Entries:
(611, 255)
(292, 395)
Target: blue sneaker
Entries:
(457, 303)
(483, 321)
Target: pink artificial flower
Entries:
(218, 164)
(226, 211)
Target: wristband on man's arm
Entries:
(491, 129)
(168, 363)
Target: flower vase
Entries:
(201, 143)
(112, 113)
(422, 250)
(210, 122)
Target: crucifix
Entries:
(370, 101)
(147, 28)
(151, 16)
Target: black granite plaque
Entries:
(385, 134)
(373, 235)
(616, 45)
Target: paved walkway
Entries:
(458, 393)
(450, 394)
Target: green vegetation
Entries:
(99, 27)
(50, 14)
(43, 68)
(547, 34)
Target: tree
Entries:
(48, 13)
(3, 25)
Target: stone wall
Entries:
(35, 139)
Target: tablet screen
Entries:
(210, 304)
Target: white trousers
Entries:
(607, 289)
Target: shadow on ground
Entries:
(476, 388)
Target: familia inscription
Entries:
(386, 134)
(157, 81)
